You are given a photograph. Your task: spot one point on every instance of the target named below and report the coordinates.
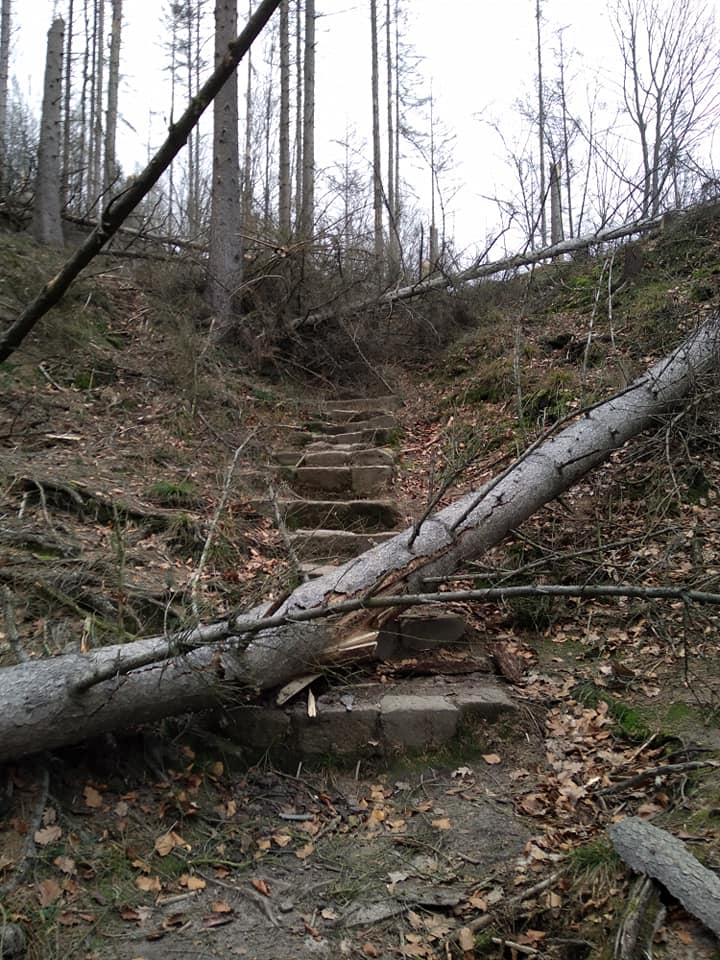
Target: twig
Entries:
(512, 904)
(294, 560)
(259, 901)
(43, 370)
(646, 775)
(239, 626)
(194, 581)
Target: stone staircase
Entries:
(339, 468)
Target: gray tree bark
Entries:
(224, 255)
(284, 122)
(47, 224)
(110, 166)
(66, 699)
(376, 172)
(307, 215)
(5, 28)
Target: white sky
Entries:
(480, 56)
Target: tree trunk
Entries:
(111, 167)
(556, 223)
(541, 128)
(67, 108)
(5, 27)
(224, 255)
(474, 272)
(65, 699)
(307, 217)
(284, 158)
(47, 224)
(376, 173)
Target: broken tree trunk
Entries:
(54, 702)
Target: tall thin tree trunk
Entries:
(566, 141)
(47, 225)
(541, 129)
(307, 219)
(85, 114)
(99, 93)
(66, 190)
(111, 167)
(224, 256)
(556, 223)
(284, 198)
(392, 68)
(377, 172)
(298, 115)
(5, 27)
(247, 186)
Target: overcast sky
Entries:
(480, 57)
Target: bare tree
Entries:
(670, 85)
(47, 225)
(541, 126)
(224, 255)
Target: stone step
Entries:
(370, 720)
(384, 421)
(365, 515)
(364, 403)
(335, 544)
(359, 481)
(351, 414)
(378, 436)
(418, 630)
(321, 454)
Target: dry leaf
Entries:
(192, 882)
(46, 835)
(66, 864)
(167, 842)
(93, 798)
(261, 886)
(442, 824)
(221, 906)
(48, 892)
(148, 884)
(281, 839)
(369, 950)
(491, 758)
(304, 852)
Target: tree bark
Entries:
(307, 215)
(47, 223)
(284, 122)
(225, 265)
(111, 166)
(125, 202)
(377, 172)
(65, 699)
(5, 27)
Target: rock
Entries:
(365, 403)
(486, 701)
(337, 730)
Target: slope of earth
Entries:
(119, 424)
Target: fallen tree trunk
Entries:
(54, 702)
(477, 271)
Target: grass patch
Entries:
(173, 493)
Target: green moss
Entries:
(173, 493)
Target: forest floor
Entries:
(118, 425)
